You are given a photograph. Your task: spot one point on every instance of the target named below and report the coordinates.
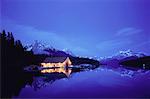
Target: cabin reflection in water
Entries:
(66, 71)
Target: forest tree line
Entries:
(13, 52)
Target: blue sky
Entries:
(86, 27)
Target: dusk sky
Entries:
(85, 27)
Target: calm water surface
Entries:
(72, 82)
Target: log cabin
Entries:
(56, 62)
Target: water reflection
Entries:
(17, 80)
(14, 81)
(66, 71)
(42, 81)
(49, 75)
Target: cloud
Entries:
(128, 31)
(28, 35)
(112, 46)
(144, 44)
(112, 43)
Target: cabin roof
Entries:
(55, 59)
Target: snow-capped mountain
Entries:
(113, 61)
(39, 48)
(127, 53)
(67, 51)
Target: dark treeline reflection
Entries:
(13, 58)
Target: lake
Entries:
(82, 83)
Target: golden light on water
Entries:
(57, 70)
(52, 64)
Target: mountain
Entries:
(127, 53)
(39, 48)
(120, 58)
(54, 52)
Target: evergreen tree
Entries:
(3, 35)
(11, 39)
